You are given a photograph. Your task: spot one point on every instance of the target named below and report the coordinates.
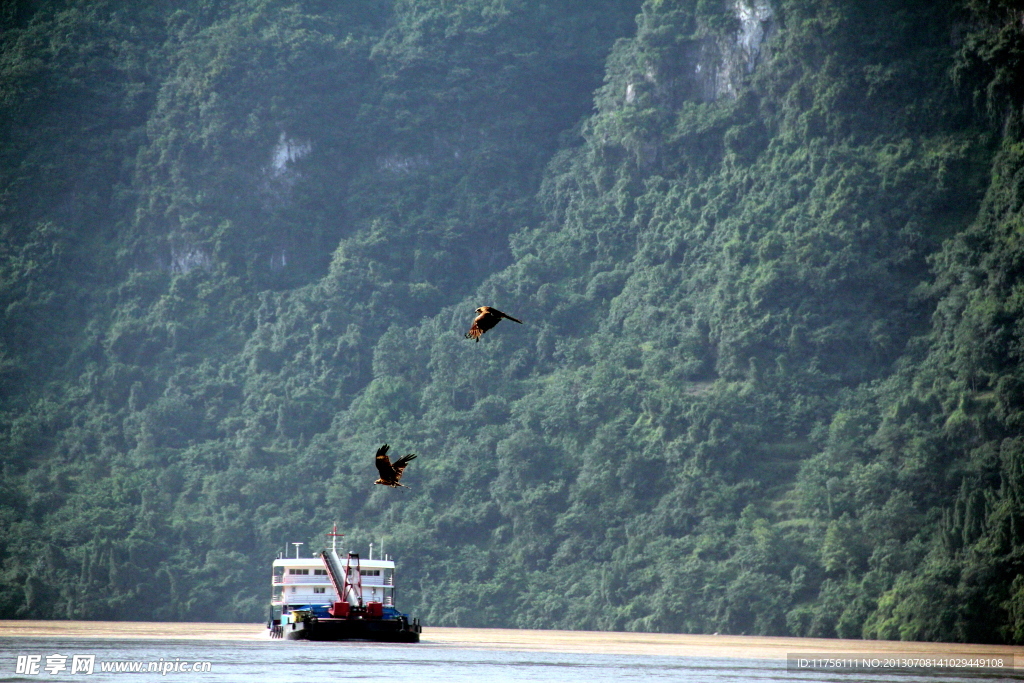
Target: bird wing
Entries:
(504, 315)
(383, 462)
(401, 463)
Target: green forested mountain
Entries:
(768, 254)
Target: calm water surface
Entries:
(298, 662)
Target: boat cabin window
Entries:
(319, 589)
(369, 572)
(320, 572)
(304, 572)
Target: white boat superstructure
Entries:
(305, 581)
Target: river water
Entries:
(135, 652)
(253, 661)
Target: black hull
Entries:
(381, 630)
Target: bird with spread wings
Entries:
(487, 317)
(390, 472)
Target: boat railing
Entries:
(294, 580)
(308, 598)
(287, 580)
(377, 581)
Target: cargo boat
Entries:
(327, 597)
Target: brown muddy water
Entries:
(145, 651)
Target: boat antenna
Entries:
(297, 549)
(334, 538)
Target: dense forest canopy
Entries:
(768, 255)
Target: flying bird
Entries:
(390, 472)
(487, 317)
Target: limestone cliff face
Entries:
(718, 64)
(705, 68)
(658, 72)
(739, 57)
